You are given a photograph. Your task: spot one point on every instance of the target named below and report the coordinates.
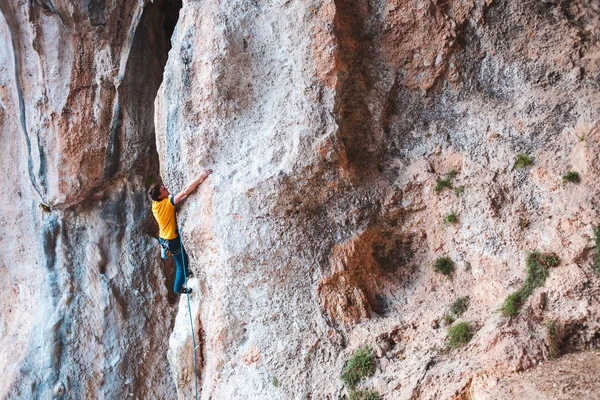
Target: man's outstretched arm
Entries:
(191, 186)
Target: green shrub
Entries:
(458, 191)
(275, 381)
(446, 182)
(364, 395)
(460, 306)
(451, 218)
(445, 265)
(359, 365)
(452, 174)
(571, 176)
(442, 183)
(537, 272)
(448, 319)
(522, 161)
(459, 335)
(511, 305)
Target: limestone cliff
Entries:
(84, 305)
(354, 143)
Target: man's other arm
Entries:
(192, 185)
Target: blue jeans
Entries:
(181, 259)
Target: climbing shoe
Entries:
(185, 291)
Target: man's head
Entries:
(158, 192)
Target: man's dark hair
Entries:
(154, 192)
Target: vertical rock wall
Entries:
(84, 310)
(328, 124)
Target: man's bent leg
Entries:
(180, 262)
(179, 279)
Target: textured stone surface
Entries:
(84, 311)
(327, 124)
(573, 376)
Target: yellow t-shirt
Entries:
(164, 212)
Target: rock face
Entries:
(341, 134)
(84, 311)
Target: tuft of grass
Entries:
(511, 305)
(442, 183)
(458, 191)
(522, 161)
(452, 174)
(451, 218)
(448, 319)
(364, 395)
(460, 306)
(537, 272)
(553, 339)
(459, 335)
(359, 365)
(445, 182)
(571, 176)
(523, 222)
(445, 265)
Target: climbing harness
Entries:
(189, 308)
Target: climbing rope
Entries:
(189, 308)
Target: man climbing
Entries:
(163, 208)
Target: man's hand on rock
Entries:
(206, 172)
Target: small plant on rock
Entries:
(445, 265)
(571, 176)
(458, 191)
(459, 335)
(460, 306)
(443, 183)
(451, 218)
(359, 365)
(452, 174)
(448, 319)
(537, 272)
(522, 161)
(511, 305)
(364, 395)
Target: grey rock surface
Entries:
(84, 308)
(328, 125)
